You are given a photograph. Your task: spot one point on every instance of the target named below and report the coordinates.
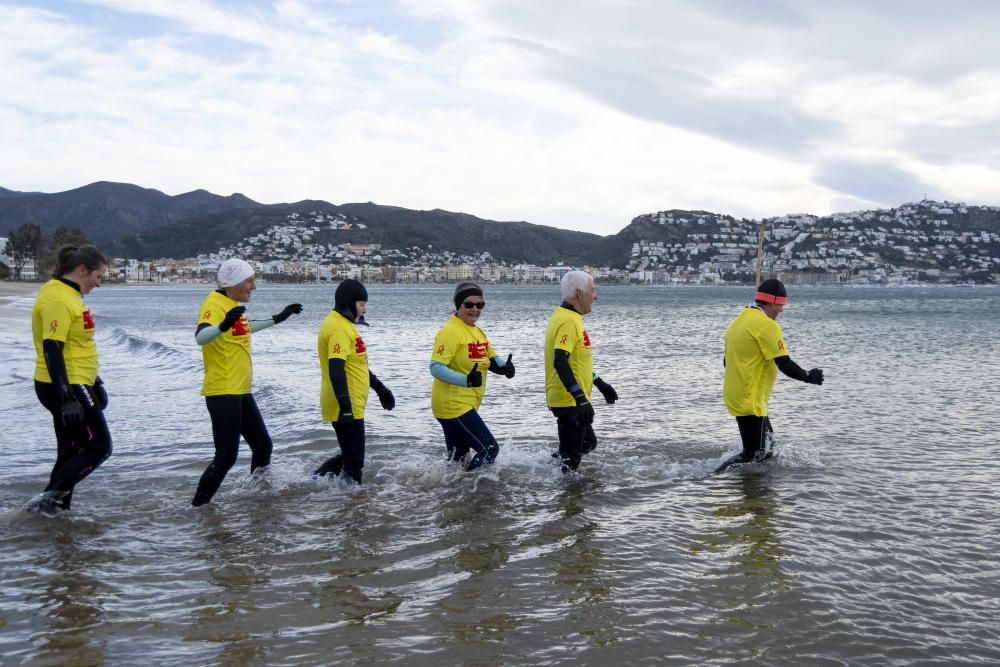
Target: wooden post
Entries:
(760, 251)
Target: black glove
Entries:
(71, 411)
(290, 309)
(607, 391)
(508, 368)
(815, 376)
(100, 393)
(385, 397)
(232, 317)
(584, 409)
(474, 378)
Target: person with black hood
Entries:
(461, 355)
(755, 352)
(343, 360)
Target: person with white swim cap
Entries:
(223, 332)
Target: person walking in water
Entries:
(66, 379)
(343, 360)
(569, 370)
(223, 332)
(461, 356)
(755, 352)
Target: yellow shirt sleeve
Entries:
(56, 320)
(444, 348)
(772, 342)
(565, 338)
(340, 344)
(210, 314)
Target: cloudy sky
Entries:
(575, 113)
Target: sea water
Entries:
(871, 539)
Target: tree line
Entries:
(28, 243)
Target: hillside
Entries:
(108, 211)
(923, 240)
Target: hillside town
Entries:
(923, 242)
(915, 243)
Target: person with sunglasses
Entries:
(461, 355)
(569, 370)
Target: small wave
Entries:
(158, 354)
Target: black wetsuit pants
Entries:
(466, 432)
(575, 437)
(80, 448)
(232, 415)
(351, 459)
(754, 432)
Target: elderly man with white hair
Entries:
(569, 370)
(223, 333)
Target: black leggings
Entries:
(575, 437)
(79, 449)
(232, 415)
(467, 432)
(754, 433)
(351, 459)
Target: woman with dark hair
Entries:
(66, 379)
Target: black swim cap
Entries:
(348, 293)
(772, 291)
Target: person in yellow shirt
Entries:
(459, 359)
(343, 360)
(66, 379)
(569, 371)
(223, 332)
(755, 352)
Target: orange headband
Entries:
(770, 298)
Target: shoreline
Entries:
(12, 292)
(15, 289)
(16, 317)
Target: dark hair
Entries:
(70, 256)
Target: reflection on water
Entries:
(753, 548)
(73, 598)
(580, 566)
(754, 532)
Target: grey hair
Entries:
(573, 281)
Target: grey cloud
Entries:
(948, 146)
(684, 98)
(758, 12)
(880, 183)
(663, 70)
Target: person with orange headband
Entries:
(755, 352)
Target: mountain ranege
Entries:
(184, 237)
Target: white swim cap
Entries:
(233, 272)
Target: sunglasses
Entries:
(468, 304)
